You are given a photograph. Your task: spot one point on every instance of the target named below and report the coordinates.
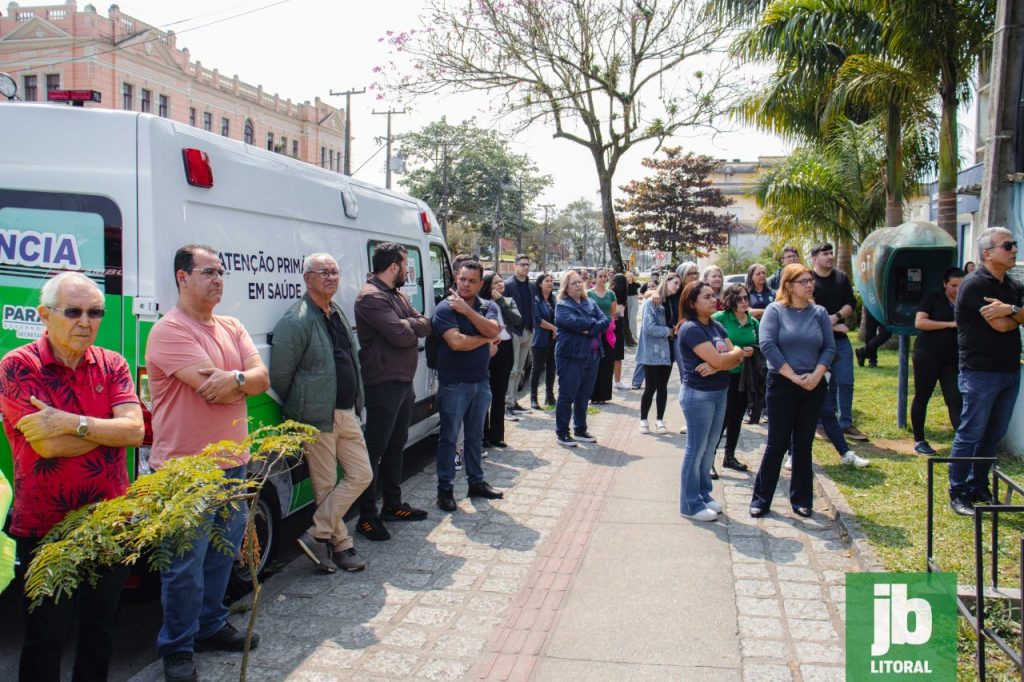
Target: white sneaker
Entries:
(660, 425)
(620, 386)
(852, 459)
(683, 430)
(705, 514)
(788, 464)
(714, 506)
(645, 426)
(458, 462)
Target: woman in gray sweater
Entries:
(797, 343)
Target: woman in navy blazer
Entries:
(543, 346)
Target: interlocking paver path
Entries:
(584, 571)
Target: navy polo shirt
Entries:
(461, 366)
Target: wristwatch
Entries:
(240, 377)
(1014, 310)
(83, 426)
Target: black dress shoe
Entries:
(499, 444)
(446, 500)
(714, 474)
(484, 489)
(734, 464)
(983, 496)
(861, 355)
(487, 444)
(758, 512)
(228, 638)
(961, 506)
(803, 511)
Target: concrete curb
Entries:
(846, 519)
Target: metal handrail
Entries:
(977, 621)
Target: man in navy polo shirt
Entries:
(468, 328)
(988, 318)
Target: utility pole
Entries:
(389, 113)
(522, 227)
(443, 210)
(544, 247)
(1001, 164)
(348, 125)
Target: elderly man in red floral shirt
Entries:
(69, 410)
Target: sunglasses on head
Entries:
(74, 312)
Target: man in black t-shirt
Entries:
(790, 254)
(833, 292)
(988, 316)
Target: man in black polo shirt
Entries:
(988, 314)
(833, 292)
(467, 326)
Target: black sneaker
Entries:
(318, 551)
(484, 489)
(961, 506)
(584, 437)
(373, 529)
(228, 638)
(179, 667)
(402, 512)
(446, 500)
(519, 408)
(861, 355)
(921, 447)
(567, 440)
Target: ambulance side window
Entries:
(440, 272)
(413, 275)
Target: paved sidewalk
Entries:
(585, 571)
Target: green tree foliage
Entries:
(578, 226)
(481, 168)
(734, 261)
(603, 75)
(670, 210)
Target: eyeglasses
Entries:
(1007, 246)
(75, 313)
(804, 281)
(523, 265)
(210, 273)
(325, 274)
(742, 299)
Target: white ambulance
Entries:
(113, 194)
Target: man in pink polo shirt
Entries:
(69, 410)
(201, 369)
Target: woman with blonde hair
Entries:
(797, 342)
(712, 276)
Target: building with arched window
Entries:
(138, 67)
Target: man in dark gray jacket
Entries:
(314, 369)
(389, 330)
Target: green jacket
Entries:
(740, 335)
(302, 364)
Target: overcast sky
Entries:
(302, 49)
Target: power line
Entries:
(372, 156)
(151, 40)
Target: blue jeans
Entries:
(192, 588)
(461, 405)
(988, 405)
(638, 376)
(840, 386)
(705, 414)
(575, 384)
(828, 421)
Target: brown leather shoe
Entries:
(854, 433)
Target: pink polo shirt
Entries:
(183, 422)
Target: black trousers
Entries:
(603, 384)
(543, 365)
(388, 411)
(735, 408)
(500, 371)
(792, 417)
(874, 336)
(929, 368)
(48, 626)
(655, 387)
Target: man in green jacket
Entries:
(314, 369)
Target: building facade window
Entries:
(30, 91)
(192, 116)
(330, 157)
(270, 142)
(323, 157)
(249, 133)
(225, 126)
(283, 147)
(207, 121)
(295, 148)
(52, 81)
(145, 101)
(163, 106)
(127, 97)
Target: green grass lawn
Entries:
(889, 497)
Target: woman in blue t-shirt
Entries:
(705, 355)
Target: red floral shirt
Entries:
(45, 490)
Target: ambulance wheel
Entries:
(266, 521)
